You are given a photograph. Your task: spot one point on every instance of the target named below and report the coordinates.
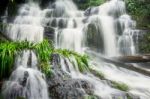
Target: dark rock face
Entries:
(95, 38)
(69, 89)
(1, 83)
(49, 33)
(24, 80)
(62, 86)
(3, 5)
(90, 11)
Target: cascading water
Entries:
(126, 40)
(68, 25)
(26, 81)
(106, 29)
(115, 26)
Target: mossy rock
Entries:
(120, 86)
(91, 97)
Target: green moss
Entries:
(97, 73)
(82, 60)
(129, 97)
(91, 97)
(120, 86)
(117, 85)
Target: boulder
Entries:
(62, 86)
(49, 32)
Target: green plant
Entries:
(144, 46)
(120, 86)
(43, 51)
(139, 9)
(7, 53)
(82, 60)
(8, 50)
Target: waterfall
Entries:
(26, 81)
(27, 25)
(68, 25)
(106, 30)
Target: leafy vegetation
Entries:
(43, 50)
(84, 4)
(139, 9)
(8, 50)
(144, 46)
(82, 60)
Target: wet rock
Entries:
(92, 97)
(94, 37)
(24, 80)
(1, 83)
(56, 60)
(54, 23)
(14, 91)
(49, 32)
(62, 86)
(48, 14)
(62, 23)
(66, 93)
(87, 12)
(131, 96)
(71, 89)
(120, 96)
(90, 11)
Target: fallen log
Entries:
(133, 59)
(121, 64)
